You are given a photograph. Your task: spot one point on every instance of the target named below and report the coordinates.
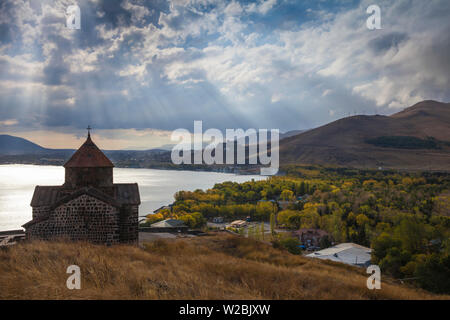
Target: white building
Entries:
(348, 253)
(238, 224)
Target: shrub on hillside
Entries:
(290, 244)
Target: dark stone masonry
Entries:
(88, 206)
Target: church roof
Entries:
(34, 221)
(45, 195)
(88, 156)
(124, 193)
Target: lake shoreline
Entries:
(157, 186)
(233, 169)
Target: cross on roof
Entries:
(89, 130)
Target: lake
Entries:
(156, 187)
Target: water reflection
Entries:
(157, 187)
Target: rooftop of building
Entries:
(89, 156)
(349, 253)
(169, 223)
(123, 193)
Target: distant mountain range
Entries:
(10, 145)
(416, 138)
(169, 147)
(19, 150)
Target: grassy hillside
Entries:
(213, 267)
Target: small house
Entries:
(303, 198)
(218, 219)
(310, 237)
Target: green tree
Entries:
(262, 230)
(272, 223)
(292, 245)
(434, 273)
(283, 216)
(381, 245)
(394, 261)
(412, 234)
(325, 242)
(302, 189)
(263, 211)
(194, 220)
(287, 195)
(294, 221)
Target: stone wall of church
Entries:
(83, 177)
(40, 212)
(82, 219)
(128, 225)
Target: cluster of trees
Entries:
(233, 192)
(193, 220)
(404, 217)
(234, 200)
(258, 211)
(405, 142)
(416, 250)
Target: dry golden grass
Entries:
(213, 267)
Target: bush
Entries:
(194, 220)
(325, 242)
(434, 273)
(290, 244)
(404, 142)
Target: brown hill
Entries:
(415, 138)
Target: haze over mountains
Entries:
(19, 150)
(416, 138)
(10, 145)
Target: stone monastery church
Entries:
(88, 206)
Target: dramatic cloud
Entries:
(155, 66)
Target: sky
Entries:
(136, 70)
